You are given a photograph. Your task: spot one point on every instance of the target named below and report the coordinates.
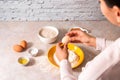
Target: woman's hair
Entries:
(111, 3)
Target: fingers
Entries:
(61, 45)
(65, 46)
(71, 33)
(73, 39)
(74, 32)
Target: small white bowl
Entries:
(23, 60)
(48, 34)
(78, 28)
(33, 51)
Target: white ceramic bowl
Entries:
(23, 60)
(33, 51)
(83, 29)
(48, 34)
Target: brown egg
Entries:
(65, 39)
(18, 48)
(23, 43)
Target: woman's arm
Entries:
(78, 36)
(95, 68)
(66, 71)
(65, 67)
(102, 43)
(105, 60)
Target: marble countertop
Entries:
(12, 33)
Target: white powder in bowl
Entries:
(48, 33)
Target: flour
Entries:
(72, 58)
(48, 33)
(45, 66)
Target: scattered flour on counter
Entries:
(45, 66)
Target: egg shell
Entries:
(18, 48)
(65, 39)
(23, 43)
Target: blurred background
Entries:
(37, 10)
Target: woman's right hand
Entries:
(78, 36)
(61, 51)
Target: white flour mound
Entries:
(72, 58)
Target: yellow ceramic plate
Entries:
(71, 47)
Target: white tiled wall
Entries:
(35, 10)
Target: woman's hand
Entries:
(78, 36)
(61, 51)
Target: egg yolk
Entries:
(23, 61)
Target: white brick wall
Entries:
(35, 10)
